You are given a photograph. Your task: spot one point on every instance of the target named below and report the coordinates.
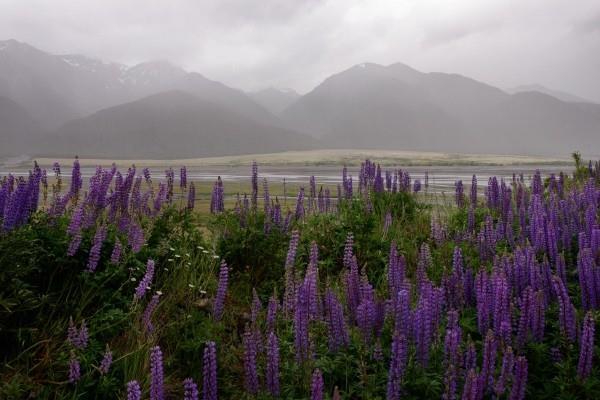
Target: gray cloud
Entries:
(297, 43)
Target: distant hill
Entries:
(17, 128)
(560, 95)
(172, 124)
(398, 107)
(275, 100)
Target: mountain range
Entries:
(72, 104)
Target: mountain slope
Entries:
(58, 88)
(17, 128)
(374, 106)
(172, 124)
(560, 95)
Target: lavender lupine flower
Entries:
(134, 391)
(452, 355)
(157, 391)
(417, 186)
(115, 256)
(506, 371)
(74, 369)
(566, 314)
(190, 389)
(316, 386)
(336, 323)
(76, 181)
(520, 380)
(94, 257)
(387, 222)
(586, 347)
(422, 327)
(147, 316)
(135, 237)
(470, 356)
(398, 361)
(209, 372)
(250, 355)
(272, 373)
(106, 362)
(78, 337)
(146, 281)
(221, 291)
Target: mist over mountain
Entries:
(71, 104)
(173, 124)
(275, 100)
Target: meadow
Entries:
(130, 284)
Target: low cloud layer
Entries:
(291, 43)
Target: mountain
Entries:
(17, 128)
(560, 95)
(57, 88)
(275, 100)
(396, 106)
(173, 124)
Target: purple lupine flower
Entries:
(352, 286)
(76, 181)
(520, 380)
(402, 315)
(289, 296)
(221, 291)
(422, 327)
(157, 391)
(586, 347)
(459, 193)
(301, 318)
(505, 372)
(316, 386)
(272, 313)
(250, 355)
(365, 316)
(398, 361)
(470, 356)
(417, 186)
(74, 244)
(486, 378)
(94, 257)
(74, 369)
(191, 199)
(183, 177)
(300, 204)
(147, 315)
(134, 391)
(146, 281)
(106, 362)
(566, 314)
(473, 194)
(272, 373)
(452, 355)
(471, 387)
(190, 389)
(209, 374)
(115, 256)
(336, 323)
(254, 185)
(135, 237)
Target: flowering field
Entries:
(118, 287)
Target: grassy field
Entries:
(334, 157)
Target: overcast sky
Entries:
(298, 43)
